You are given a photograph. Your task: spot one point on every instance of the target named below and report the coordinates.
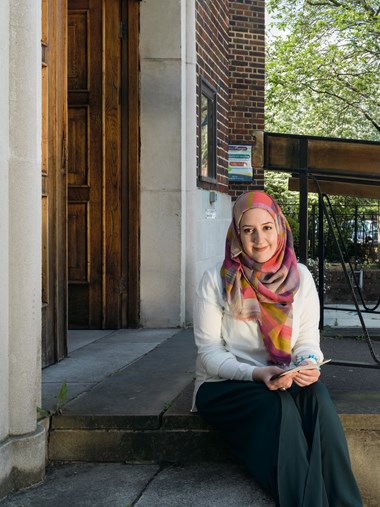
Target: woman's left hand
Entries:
(305, 378)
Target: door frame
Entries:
(130, 166)
(54, 183)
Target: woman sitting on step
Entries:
(255, 314)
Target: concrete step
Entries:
(141, 414)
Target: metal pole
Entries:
(312, 238)
(303, 212)
(356, 236)
(321, 262)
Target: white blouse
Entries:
(231, 349)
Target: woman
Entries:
(253, 315)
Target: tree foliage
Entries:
(323, 68)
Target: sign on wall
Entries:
(240, 163)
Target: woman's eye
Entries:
(268, 228)
(248, 231)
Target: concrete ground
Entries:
(131, 379)
(96, 355)
(123, 485)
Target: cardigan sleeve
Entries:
(208, 315)
(308, 341)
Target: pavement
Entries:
(123, 485)
(132, 384)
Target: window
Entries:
(207, 132)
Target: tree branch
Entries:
(327, 2)
(367, 7)
(336, 3)
(358, 108)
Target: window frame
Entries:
(211, 94)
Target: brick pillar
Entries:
(247, 79)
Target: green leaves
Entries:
(61, 398)
(323, 67)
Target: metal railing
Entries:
(352, 281)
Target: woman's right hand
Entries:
(265, 374)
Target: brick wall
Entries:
(231, 57)
(247, 78)
(212, 25)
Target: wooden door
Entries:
(85, 145)
(101, 178)
(54, 140)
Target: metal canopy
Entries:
(330, 159)
(326, 166)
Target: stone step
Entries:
(142, 414)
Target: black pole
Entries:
(321, 262)
(312, 236)
(356, 236)
(303, 212)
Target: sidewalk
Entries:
(344, 320)
(129, 395)
(123, 485)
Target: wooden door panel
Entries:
(77, 252)
(77, 57)
(53, 169)
(85, 165)
(78, 306)
(78, 145)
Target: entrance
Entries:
(97, 272)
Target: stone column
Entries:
(22, 451)
(4, 218)
(161, 162)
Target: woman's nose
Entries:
(256, 237)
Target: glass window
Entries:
(207, 132)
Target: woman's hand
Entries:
(305, 378)
(265, 374)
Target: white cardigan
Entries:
(231, 349)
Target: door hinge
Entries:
(123, 30)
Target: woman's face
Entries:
(258, 234)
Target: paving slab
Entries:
(86, 485)
(96, 361)
(50, 392)
(355, 390)
(93, 355)
(144, 388)
(76, 339)
(142, 335)
(210, 485)
(340, 319)
(123, 485)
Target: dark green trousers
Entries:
(291, 441)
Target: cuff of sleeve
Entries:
(310, 357)
(233, 370)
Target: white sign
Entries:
(240, 163)
(210, 213)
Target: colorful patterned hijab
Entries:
(262, 291)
